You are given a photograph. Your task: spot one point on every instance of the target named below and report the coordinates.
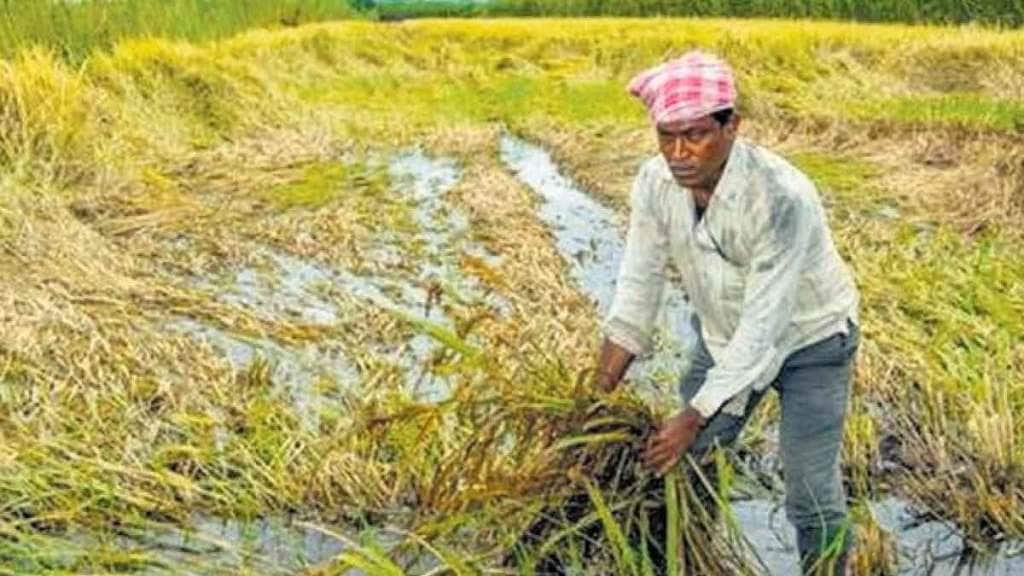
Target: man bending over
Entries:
(774, 303)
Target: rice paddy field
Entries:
(325, 300)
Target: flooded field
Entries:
(589, 236)
(326, 299)
(410, 276)
(213, 546)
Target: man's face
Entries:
(695, 150)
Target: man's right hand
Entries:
(611, 366)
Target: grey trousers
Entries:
(813, 387)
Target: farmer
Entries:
(774, 303)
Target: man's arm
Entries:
(612, 364)
(638, 291)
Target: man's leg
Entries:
(813, 388)
(721, 429)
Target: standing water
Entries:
(280, 287)
(589, 236)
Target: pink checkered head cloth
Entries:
(696, 84)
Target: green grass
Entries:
(847, 185)
(999, 12)
(505, 98)
(837, 173)
(74, 29)
(398, 9)
(952, 109)
(1007, 12)
(322, 182)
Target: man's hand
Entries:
(605, 382)
(611, 365)
(675, 437)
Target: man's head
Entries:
(691, 102)
(696, 150)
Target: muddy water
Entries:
(276, 546)
(590, 237)
(213, 546)
(295, 369)
(283, 287)
(931, 547)
(279, 287)
(443, 230)
(924, 547)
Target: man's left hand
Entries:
(672, 440)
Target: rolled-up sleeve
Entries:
(782, 230)
(641, 282)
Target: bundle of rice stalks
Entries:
(609, 513)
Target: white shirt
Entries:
(760, 270)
